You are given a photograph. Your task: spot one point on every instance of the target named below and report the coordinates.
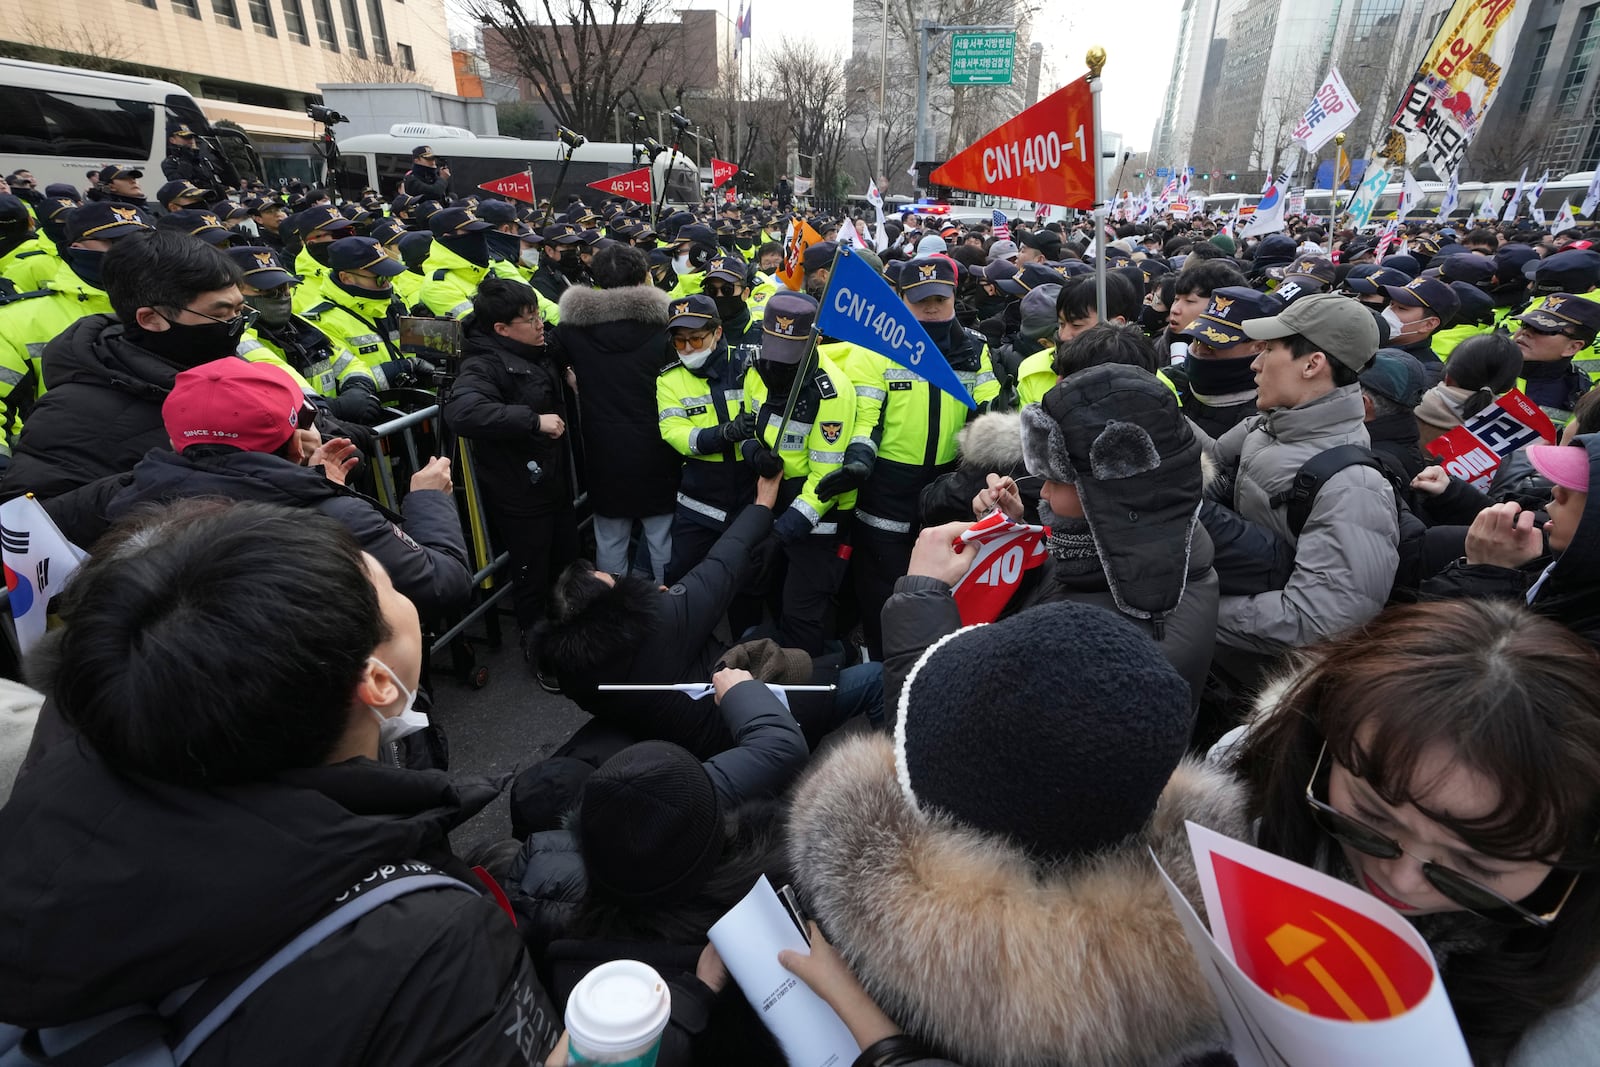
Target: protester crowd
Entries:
(1265, 607)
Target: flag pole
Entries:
(1096, 60)
(811, 352)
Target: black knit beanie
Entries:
(649, 825)
(1057, 727)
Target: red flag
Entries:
(721, 172)
(518, 186)
(1044, 154)
(635, 185)
(1006, 548)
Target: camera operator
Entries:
(429, 177)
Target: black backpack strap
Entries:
(1310, 478)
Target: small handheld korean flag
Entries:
(38, 561)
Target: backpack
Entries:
(1252, 559)
(170, 1031)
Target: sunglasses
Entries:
(1457, 888)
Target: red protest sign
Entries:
(1473, 451)
(1315, 954)
(721, 172)
(1006, 549)
(635, 185)
(1044, 154)
(517, 186)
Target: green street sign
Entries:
(982, 58)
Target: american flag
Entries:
(1002, 228)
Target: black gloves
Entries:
(742, 427)
(357, 402)
(765, 461)
(852, 474)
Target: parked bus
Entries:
(62, 122)
(380, 160)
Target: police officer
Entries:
(810, 528)
(1575, 272)
(426, 180)
(317, 228)
(726, 283)
(1216, 387)
(1550, 336)
(278, 336)
(389, 233)
(179, 195)
(457, 263)
(186, 162)
(700, 402)
(120, 185)
(1416, 311)
(905, 435)
(26, 263)
(73, 292)
(560, 262)
(355, 305)
(694, 248)
(514, 249)
(268, 217)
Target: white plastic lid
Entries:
(617, 1006)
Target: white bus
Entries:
(380, 160)
(61, 122)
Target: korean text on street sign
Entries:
(1045, 154)
(982, 58)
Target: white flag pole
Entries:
(1096, 60)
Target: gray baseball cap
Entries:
(1342, 328)
(1006, 250)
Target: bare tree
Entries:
(1499, 158)
(583, 58)
(350, 68)
(811, 85)
(88, 45)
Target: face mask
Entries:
(1220, 377)
(1396, 327)
(506, 246)
(189, 345)
(403, 723)
(85, 263)
(779, 377)
(816, 289)
(363, 292)
(318, 251)
(680, 264)
(940, 332)
(469, 246)
(1152, 321)
(729, 308)
(530, 257)
(697, 359)
(273, 310)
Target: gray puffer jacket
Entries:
(1345, 557)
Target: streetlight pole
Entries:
(883, 78)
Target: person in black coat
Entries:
(509, 400)
(226, 791)
(615, 337)
(426, 180)
(107, 376)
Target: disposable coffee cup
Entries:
(616, 1015)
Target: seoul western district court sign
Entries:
(982, 58)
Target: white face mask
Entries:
(681, 264)
(405, 722)
(530, 257)
(1396, 327)
(697, 359)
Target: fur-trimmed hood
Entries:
(968, 945)
(992, 442)
(583, 307)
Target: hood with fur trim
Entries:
(583, 307)
(970, 946)
(992, 442)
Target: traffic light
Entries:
(1204, 176)
(1138, 174)
(1233, 177)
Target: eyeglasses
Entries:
(524, 320)
(1458, 888)
(244, 319)
(714, 289)
(691, 342)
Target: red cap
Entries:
(254, 407)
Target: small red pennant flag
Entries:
(635, 185)
(518, 186)
(721, 172)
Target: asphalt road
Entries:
(508, 724)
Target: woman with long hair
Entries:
(1446, 758)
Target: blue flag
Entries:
(859, 307)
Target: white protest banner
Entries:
(1310, 971)
(1332, 109)
(1474, 450)
(1591, 198)
(749, 939)
(1297, 202)
(1366, 195)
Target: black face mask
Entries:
(1151, 320)
(361, 291)
(940, 332)
(1220, 377)
(507, 246)
(85, 263)
(729, 308)
(570, 264)
(471, 247)
(779, 377)
(318, 251)
(190, 345)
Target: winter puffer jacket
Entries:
(1347, 553)
(616, 341)
(121, 890)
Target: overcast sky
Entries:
(1138, 64)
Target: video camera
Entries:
(572, 140)
(325, 115)
(679, 119)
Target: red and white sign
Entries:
(517, 186)
(1006, 549)
(1331, 110)
(635, 185)
(721, 172)
(1474, 450)
(1309, 971)
(1044, 154)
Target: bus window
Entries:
(43, 123)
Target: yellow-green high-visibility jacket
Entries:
(813, 443)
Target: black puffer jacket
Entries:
(119, 891)
(639, 634)
(616, 341)
(101, 415)
(496, 402)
